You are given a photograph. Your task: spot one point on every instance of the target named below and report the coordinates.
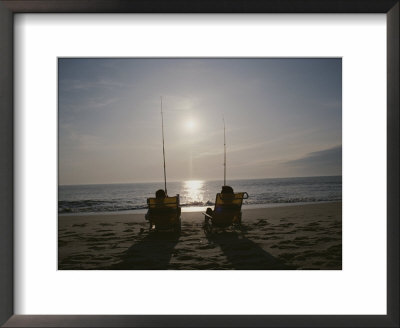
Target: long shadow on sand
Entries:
(153, 252)
(244, 254)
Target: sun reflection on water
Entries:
(193, 192)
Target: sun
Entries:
(190, 125)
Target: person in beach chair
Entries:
(164, 212)
(227, 210)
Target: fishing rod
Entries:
(223, 119)
(163, 148)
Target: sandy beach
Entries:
(301, 237)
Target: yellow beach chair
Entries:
(164, 213)
(227, 211)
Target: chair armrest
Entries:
(207, 215)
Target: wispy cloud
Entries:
(328, 161)
(85, 85)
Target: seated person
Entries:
(227, 190)
(160, 196)
(227, 194)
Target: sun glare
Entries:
(190, 125)
(194, 191)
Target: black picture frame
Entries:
(10, 7)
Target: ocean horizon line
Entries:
(203, 180)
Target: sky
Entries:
(283, 118)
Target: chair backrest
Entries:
(163, 203)
(229, 201)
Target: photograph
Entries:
(199, 163)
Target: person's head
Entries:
(160, 193)
(227, 190)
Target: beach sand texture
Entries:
(304, 237)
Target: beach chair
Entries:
(164, 213)
(227, 211)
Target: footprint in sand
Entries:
(286, 225)
(262, 222)
(208, 246)
(96, 248)
(185, 258)
(304, 243)
(327, 239)
(79, 225)
(313, 226)
(288, 247)
(286, 244)
(272, 238)
(69, 234)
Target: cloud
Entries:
(85, 85)
(322, 162)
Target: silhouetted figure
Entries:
(227, 210)
(164, 212)
(227, 190)
(160, 194)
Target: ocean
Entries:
(196, 195)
